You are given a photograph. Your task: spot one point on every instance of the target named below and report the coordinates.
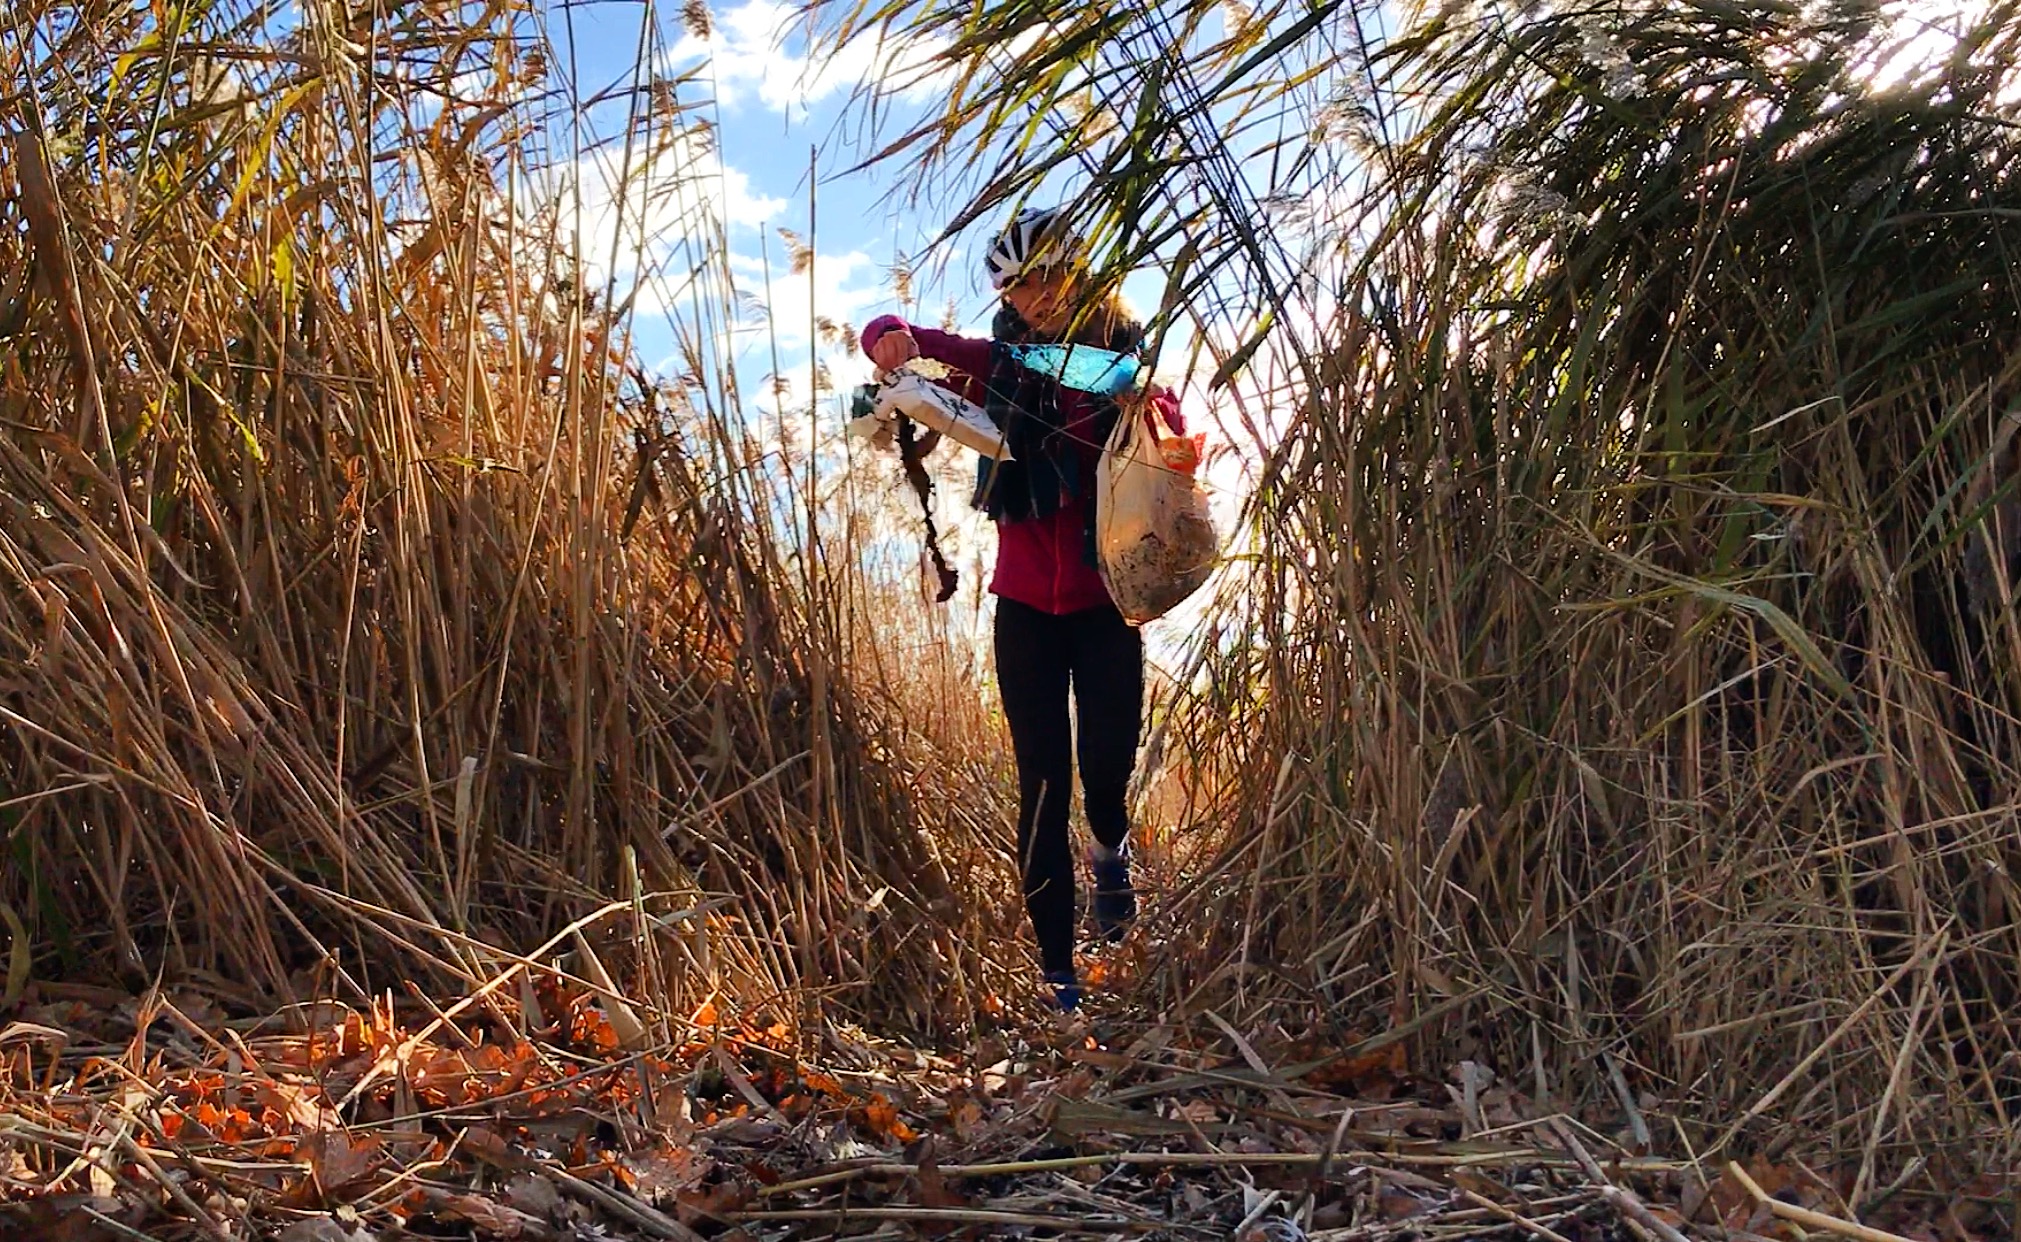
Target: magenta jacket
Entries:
(1038, 562)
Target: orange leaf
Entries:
(966, 1116)
(1364, 1074)
(826, 1084)
(337, 1160)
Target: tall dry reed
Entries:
(368, 613)
(1620, 686)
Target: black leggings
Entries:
(1037, 656)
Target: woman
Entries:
(1057, 631)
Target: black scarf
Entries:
(1046, 465)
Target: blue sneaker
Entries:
(1066, 989)
(1115, 898)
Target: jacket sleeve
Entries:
(967, 355)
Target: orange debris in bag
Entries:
(1183, 453)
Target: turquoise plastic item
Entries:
(1099, 371)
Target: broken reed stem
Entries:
(1807, 1218)
(956, 1216)
(1624, 1201)
(1191, 1159)
(1515, 1218)
(647, 1218)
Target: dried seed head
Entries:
(664, 94)
(695, 16)
(1601, 50)
(799, 254)
(1524, 202)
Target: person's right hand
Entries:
(894, 349)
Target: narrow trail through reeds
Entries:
(1617, 682)
(1612, 693)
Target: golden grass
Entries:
(1620, 689)
(1620, 685)
(367, 614)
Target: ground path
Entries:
(559, 1117)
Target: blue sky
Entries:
(775, 106)
(771, 105)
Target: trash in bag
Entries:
(1154, 530)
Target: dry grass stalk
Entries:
(1630, 578)
(323, 657)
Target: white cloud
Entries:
(846, 288)
(679, 192)
(761, 46)
(741, 207)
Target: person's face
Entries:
(1043, 297)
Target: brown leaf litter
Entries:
(137, 1120)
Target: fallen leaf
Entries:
(881, 1117)
(1371, 1074)
(934, 1192)
(1199, 1112)
(1398, 1204)
(336, 1160)
(491, 1220)
(966, 1117)
(826, 1084)
(661, 1174)
(1332, 1216)
(297, 1108)
(316, 1229)
(712, 1202)
(530, 1192)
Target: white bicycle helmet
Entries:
(1037, 237)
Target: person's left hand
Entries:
(1137, 401)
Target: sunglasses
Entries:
(1036, 275)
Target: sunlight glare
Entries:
(1914, 36)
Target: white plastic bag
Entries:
(1154, 530)
(927, 403)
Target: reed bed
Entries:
(1618, 687)
(370, 614)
